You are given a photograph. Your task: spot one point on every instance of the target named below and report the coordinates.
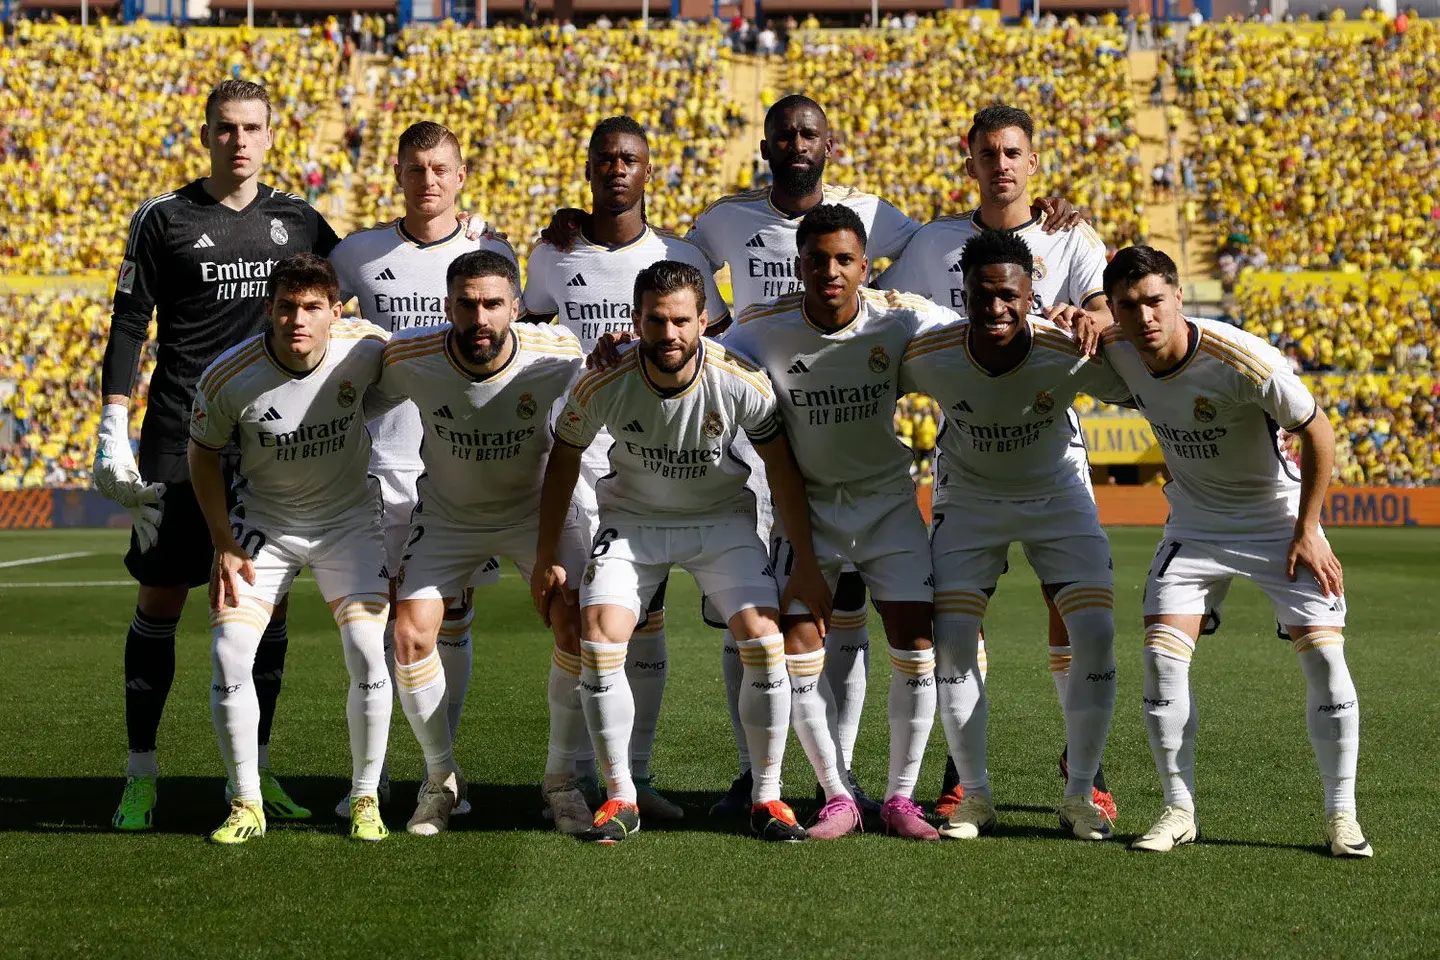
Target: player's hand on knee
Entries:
(807, 585)
(232, 564)
(1060, 214)
(607, 349)
(565, 228)
(145, 516)
(1311, 550)
(546, 584)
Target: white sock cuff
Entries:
(762, 652)
(1164, 640)
(566, 662)
(961, 604)
(654, 625)
(373, 607)
(805, 664)
(247, 613)
(1318, 639)
(603, 658)
(451, 630)
(849, 619)
(1059, 658)
(420, 674)
(1077, 597)
(917, 663)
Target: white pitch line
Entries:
(50, 584)
(54, 556)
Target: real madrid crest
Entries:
(589, 577)
(713, 426)
(346, 395)
(278, 233)
(1044, 403)
(879, 359)
(1038, 273)
(1204, 410)
(526, 408)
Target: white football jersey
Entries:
(591, 288)
(486, 438)
(1007, 436)
(304, 449)
(1217, 415)
(398, 283)
(837, 389)
(670, 464)
(1068, 265)
(751, 234)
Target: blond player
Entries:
(397, 276)
(1217, 398)
(1066, 288)
(588, 289)
(1006, 382)
(834, 354)
(294, 395)
(675, 495)
(484, 387)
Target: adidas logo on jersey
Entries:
(962, 407)
(491, 565)
(956, 268)
(386, 274)
(443, 413)
(203, 242)
(576, 281)
(756, 242)
(798, 367)
(271, 415)
(633, 427)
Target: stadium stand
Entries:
(523, 102)
(901, 102)
(92, 122)
(1319, 149)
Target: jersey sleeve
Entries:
(759, 412)
(342, 260)
(136, 287)
(890, 233)
(537, 299)
(907, 274)
(580, 419)
(501, 246)
(1099, 380)
(1087, 268)
(715, 305)
(1285, 398)
(705, 234)
(211, 421)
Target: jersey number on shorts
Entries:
(602, 542)
(251, 541)
(415, 536)
(777, 546)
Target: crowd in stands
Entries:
(899, 100)
(1318, 150)
(523, 102)
(92, 123)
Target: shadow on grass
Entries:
(196, 805)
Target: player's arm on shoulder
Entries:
(891, 232)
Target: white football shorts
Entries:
(398, 494)
(1191, 576)
(347, 559)
(970, 540)
(628, 561)
(882, 534)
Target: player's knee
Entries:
(606, 623)
(417, 624)
(752, 623)
(802, 634)
(362, 619)
(850, 592)
(908, 625)
(162, 603)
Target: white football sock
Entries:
(646, 669)
(1170, 716)
(457, 656)
(813, 719)
(1088, 610)
(765, 711)
(847, 668)
(912, 714)
(567, 717)
(964, 707)
(234, 706)
(421, 686)
(609, 713)
(982, 662)
(1332, 714)
(1060, 671)
(368, 705)
(733, 672)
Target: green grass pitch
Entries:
(501, 885)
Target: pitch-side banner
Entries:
(1123, 439)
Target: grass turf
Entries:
(502, 885)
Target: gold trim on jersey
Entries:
(703, 357)
(1029, 350)
(1236, 356)
(357, 330)
(1057, 341)
(741, 197)
(896, 299)
(1025, 227)
(292, 374)
(619, 246)
(727, 363)
(432, 244)
(412, 348)
(218, 375)
(781, 305)
(538, 343)
(945, 339)
(859, 311)
(593, 381)
(1209, 348)
(1192, 351)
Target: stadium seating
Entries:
(900, 103)
(92, 122)
(523, 103)
(1320, 150)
